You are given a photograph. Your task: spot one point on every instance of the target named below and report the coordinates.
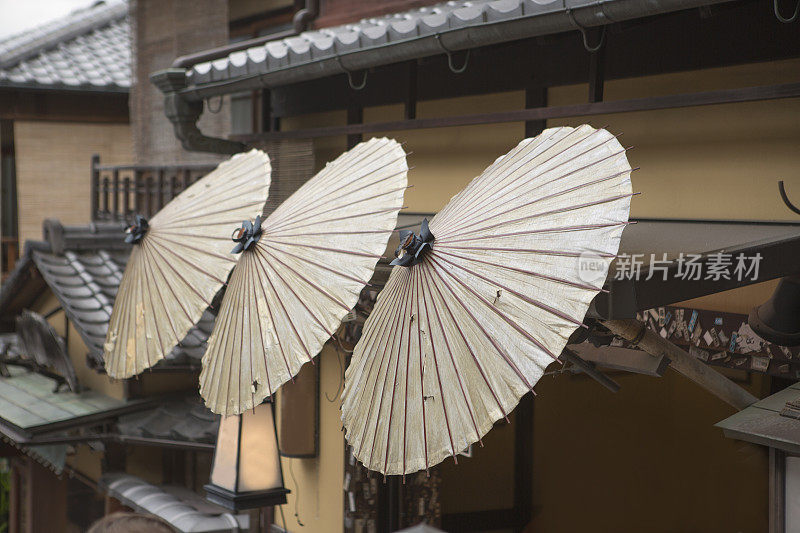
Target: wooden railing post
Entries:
(144, 189)
(160, 189)
(106, 211)
(126, 198)
(115, 192)
(95, 186)
(148, 196)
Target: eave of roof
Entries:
(183, 509)
(29, 406)
(83, 266)
(427, 31)
(762, 423)
(86, 51)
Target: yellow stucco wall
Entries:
(316, 483)
(714, 162)
(53, 169)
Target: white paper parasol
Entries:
(180, 259)
(296, 280)
(459, 336)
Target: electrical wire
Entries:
(297, 497)
(339, 349)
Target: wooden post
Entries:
(705, 376)
(126, 198)
(106, 206)
(115, 195)
(95, 187)
(597, 62)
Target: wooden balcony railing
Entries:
(120, 191)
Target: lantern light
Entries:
(246, 472)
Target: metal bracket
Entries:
(785, 198)
(582, 29)
(350, 76)
(781, 18)
(449, 54)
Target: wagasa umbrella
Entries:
(300, 272)
(180, 259)
(485, 298)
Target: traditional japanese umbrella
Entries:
(180, 259)
(300, 272)
(484, 299)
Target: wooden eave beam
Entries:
(63, 106)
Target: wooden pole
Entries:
(705, 376)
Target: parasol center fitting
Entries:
(136, 231)
(413, 247)
(247, 235)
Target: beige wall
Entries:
(316, 483)
(53, 169)
(613, 462)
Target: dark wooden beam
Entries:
(523, 462)
(726, 96)
(597, 64)
(355, 116)
(75, 106)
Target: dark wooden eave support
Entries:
(184, 115)
(705, 376)
(597, 67)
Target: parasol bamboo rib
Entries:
(456, 340)
(181, 262)
(291, 289)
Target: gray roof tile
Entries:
(89, 49)
(184, 419)
(86, 283)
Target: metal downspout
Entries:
(184, 113)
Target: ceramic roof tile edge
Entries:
(427, 31)
(145, 497)
(16, 278)
(87, 52)
(97, 238)
(26, 44)
(50, 456)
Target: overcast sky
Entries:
(19, 15)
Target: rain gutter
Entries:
(184, 113)
(446, 42)
(300, 23)
(184, 103)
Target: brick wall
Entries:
(53, 163)
(161, 31)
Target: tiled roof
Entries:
(87, 50)
(86, 284)
(426, 31)
(30, 406)
(184, 419)
(184, 509)
(368, 33)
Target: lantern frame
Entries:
(237, 500)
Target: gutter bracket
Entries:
(184, 115)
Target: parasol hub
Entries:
(247, 235)
(136, 231)
(413, 247)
